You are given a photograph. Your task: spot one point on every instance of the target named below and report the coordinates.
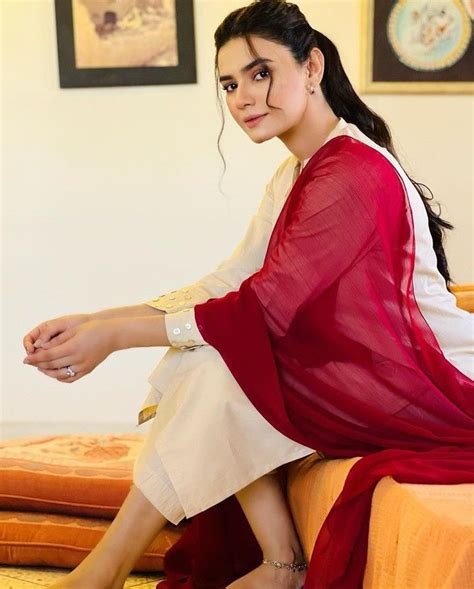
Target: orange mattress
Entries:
(420, 537)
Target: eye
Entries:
(229, 87)
(263, 74)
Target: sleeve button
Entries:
(176, 331)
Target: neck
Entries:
(305, 138)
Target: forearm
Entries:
(139, 331)
(142, 310)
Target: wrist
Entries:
(118, 334)
(137, 332)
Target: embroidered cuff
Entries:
(182, 330)
(173, 301)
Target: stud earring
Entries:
(311, 89)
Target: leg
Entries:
(109, 564)
(267, 512)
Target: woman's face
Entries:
(246, 81)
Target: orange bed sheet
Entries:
(420, 537)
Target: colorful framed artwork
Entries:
(125, 42)
(417, 46)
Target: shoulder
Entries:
(343, 152)
(356, 164)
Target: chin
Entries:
(261, 137)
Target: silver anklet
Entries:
(295, 567)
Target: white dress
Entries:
(207, 441)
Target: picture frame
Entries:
(417, 47)
(105, 43)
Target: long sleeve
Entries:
(246, 259)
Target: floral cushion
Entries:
(88, 475)
(41, 539)
(59, 493)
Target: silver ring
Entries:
(69, 371)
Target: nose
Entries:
(244, 96)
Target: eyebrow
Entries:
(258, 61)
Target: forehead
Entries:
(236, 54)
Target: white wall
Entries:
(110, 195)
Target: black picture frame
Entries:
(382, 71)
(71, 76)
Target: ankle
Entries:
(288, 555)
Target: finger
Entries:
(49, 329)
(29, 338)
(59, 339)
(28, 345)
(47, 355)
(38, 336)
(56, 364)
(61, 375)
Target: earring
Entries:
(311, 89)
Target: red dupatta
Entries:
(328, 343)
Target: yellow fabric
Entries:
(420, 537)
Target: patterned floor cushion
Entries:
(59, 493)
(41, 539)
(87, 475)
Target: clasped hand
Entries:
(72, 341)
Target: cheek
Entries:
(290, 96)
(231, 105)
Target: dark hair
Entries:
(284, 23)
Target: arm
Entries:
(246, 258)
(86, 345)
(44, 332)
(327, 226)
(180, 331)
(144, 324)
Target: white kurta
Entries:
(207, 440)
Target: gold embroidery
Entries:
(147, 413)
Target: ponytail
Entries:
(345, 103)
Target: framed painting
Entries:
(125, 42)
(417, 46)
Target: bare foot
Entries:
(268, 577)
(67, 584)
(75, 580)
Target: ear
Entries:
(315, 66)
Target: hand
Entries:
(83, 347)
(43, 332)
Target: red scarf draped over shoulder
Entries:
(329, 345)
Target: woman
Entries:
(326, 319)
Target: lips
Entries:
(254, 119)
